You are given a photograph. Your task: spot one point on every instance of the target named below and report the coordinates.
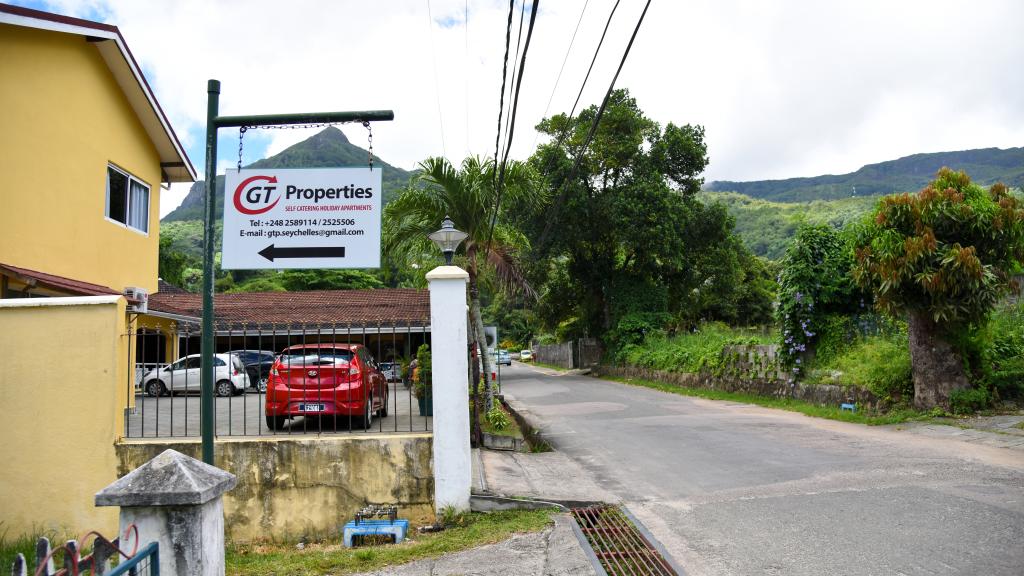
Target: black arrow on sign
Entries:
(270, 252)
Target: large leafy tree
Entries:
(943, 257)
(625, 232)
(467, 195)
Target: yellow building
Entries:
(84, 151)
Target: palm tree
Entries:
(467, 195)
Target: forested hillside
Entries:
(909, 174)
(767, 227)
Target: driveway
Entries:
(736, 489)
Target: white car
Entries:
(184, 376)
(526, 355)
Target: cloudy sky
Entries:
(783, 88)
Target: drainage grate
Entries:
(617, 543)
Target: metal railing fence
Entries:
(311, 394)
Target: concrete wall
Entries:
(293, 487)
(63, 387)
(556, 354)
(65, 120)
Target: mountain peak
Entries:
(331, 134)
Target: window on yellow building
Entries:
(127, 200)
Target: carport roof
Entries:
(325, 308)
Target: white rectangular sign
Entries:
(301, 218)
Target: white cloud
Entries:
(783, 88)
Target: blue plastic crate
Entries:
(397, 529)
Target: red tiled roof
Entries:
(164, 287)
(389, 306)
(59, 283)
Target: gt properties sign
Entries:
(302, 218)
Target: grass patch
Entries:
(26, 545)
(333, 558)
(1019, 425)
(892, 417)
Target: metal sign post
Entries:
(213, 122)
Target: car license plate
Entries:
(311, 407)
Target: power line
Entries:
(560, 70)
(597, 50)
(465, 70)
(512, 125)
(504, 73)
(437, 85)
(593, 128)
(515, 61)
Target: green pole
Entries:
(206, 377)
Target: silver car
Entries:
(184, 376)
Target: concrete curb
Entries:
(529, 423)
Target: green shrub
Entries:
(968, 401)
(880, 364)
(1005, 352)
(700, 350)
(498, 419)
(424, 374)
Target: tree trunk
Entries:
(481, 339)
(936, 366)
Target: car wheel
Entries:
(262, 384)
(225, 388)
(368, 416)
(156, 388)
(275, 422)
(383, 412)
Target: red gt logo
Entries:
(257, 199)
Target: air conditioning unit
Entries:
(138, 299)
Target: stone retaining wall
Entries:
(750, 370)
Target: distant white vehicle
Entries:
(184, 376)
(391, 370)
(526, 355)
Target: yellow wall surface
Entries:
(64, 369)
(293, 487)
(64, 119)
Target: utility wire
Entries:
(560, 70)
(465, 69)
(512, 126)
(437, 85)
(593, 130)
(519, 41)
(565, 130)
(504, 73)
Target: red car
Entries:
(325, 380)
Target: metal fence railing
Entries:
(106, 558)
(280, 380)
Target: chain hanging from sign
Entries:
(366, 124)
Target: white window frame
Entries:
(128, 199)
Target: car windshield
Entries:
(315, 356)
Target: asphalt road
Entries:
(736, 489)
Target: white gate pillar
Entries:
(450, 367)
